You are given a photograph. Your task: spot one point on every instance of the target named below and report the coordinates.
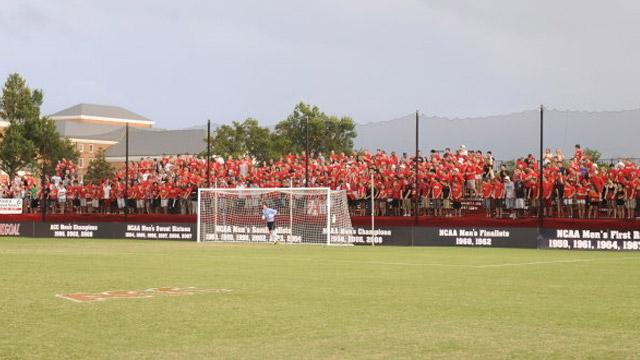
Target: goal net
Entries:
(304, 215)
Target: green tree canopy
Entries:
(594, 154)
(245, 138)
(30, 138)
(18, 102)
(99, 169)
(326, 133)
(13, 147)
(228, 140)
(49, 146)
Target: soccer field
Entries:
(290, 302)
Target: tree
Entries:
(510, 164)
(245, 138)
(593, 154)
(33, 139)
(99, 169)
(326, 133)
(228, 140)
(50, 148)
(13, 148)
(261, 143)
(18, 102)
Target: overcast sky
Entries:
(181, 62)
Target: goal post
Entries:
(304, 215)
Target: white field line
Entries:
(68, 298)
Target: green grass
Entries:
(293, 302)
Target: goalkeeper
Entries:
(269, 215)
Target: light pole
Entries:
(208, 153)
(541, 166)
(43, 180)
(306, 152)
(126, 172)
(415, 164)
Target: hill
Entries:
(613, 133)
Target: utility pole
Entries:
(306, 152)
(541, 166)
(415, 163)
(208, 153)
(126, 171)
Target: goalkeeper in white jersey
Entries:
(269, 215)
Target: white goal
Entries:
(305, 215)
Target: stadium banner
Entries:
(72, 230)
(479, 237)
(581, 239)
(116, 230)
(359, 236)
(253, 234)
(156, 231)
(260, 234)
(16, 228)
(568, 239)
(467, 237)
(10, 206)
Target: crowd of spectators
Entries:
(450, 183)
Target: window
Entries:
(81, 161)
(91, 148)
(81, 148)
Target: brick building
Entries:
(100, 127)
(92, 128)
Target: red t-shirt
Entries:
(598, 181)
(578, 155)
(499, 190)
(547, 189)
(424, 188)
(396, 191)
(97, 192)
(487, 190)
(456, 190)
(88, 191)
(53, 194)
(164, 191)
(582, 192)
(174, 192)
(535, 190)
(71, 192)
(569, 191)
(630, 189)
(436, 190)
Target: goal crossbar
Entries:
(304, 215)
